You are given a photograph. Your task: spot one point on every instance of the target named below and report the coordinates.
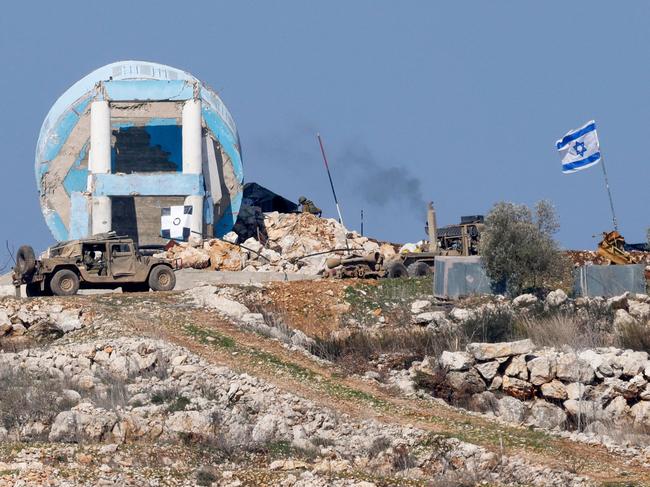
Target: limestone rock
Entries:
(546, 415)
(488, 369)
(541, 370)
(517, 388)
(420, 306)
(554, 390)
(468, 382)
(570, 368)
(456, 360)
(489, 351)
(623, 319)
(585, 411)
(619, 302)
(641, 413)
(512, 410)
(639, 310)
(525, 301)
(556, 298)
(517, 367)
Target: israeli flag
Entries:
(579, 148)
(175, 222)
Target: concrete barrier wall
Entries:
(456, 277)
(609, 280)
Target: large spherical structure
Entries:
(129, 139)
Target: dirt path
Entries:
(220, 342)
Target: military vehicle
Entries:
(454, 240)
(101, 261)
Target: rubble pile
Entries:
(36, 319)
(287, 243)
(590, 257)
(547, 387)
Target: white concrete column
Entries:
(192, 140)
(196, 222)
(101, 214)
(99, 162)
(99, 159)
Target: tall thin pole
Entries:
(609, 192)
(329, 175)
(362, 222)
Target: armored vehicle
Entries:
(101, 261)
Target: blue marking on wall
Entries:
(160, 184)
(77, 177)
(79, 216)
(56, 225)
(148, 90)
(208, 211)
(223, 135)
(167, 134)
(64, 127)
(229, 218)
(121, 125)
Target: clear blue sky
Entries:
(457, 102)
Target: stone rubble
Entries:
(288, 244)
(135, 390)
(24, 320)
(547, 387)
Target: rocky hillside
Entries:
(242, 385)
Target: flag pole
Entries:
(609, 192)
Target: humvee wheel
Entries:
(64, 283)
(418, 269)
(162, 278)
(396, 269)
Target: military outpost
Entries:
(190, 327)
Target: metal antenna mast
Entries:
(329, 175)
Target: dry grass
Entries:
(563, 329)
(27, 398)
(634, 336)
(360, 347)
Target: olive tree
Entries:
(519, 252)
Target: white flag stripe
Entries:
(579, 148)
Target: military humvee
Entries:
(101, 261)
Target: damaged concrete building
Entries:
(129, 139)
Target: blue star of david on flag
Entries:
(580, 148)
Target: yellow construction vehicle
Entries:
(612, 248)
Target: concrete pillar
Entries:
(99, 162)
(101, 214)
(196, 222)
(193, 161)
(99, 159)
(192, 140)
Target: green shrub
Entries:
(519, 252)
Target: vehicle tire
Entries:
(33, 290)
(138, 287)
(64, 283)
(162, 278)
(25, 260)
(418, 269)
(396, 269)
